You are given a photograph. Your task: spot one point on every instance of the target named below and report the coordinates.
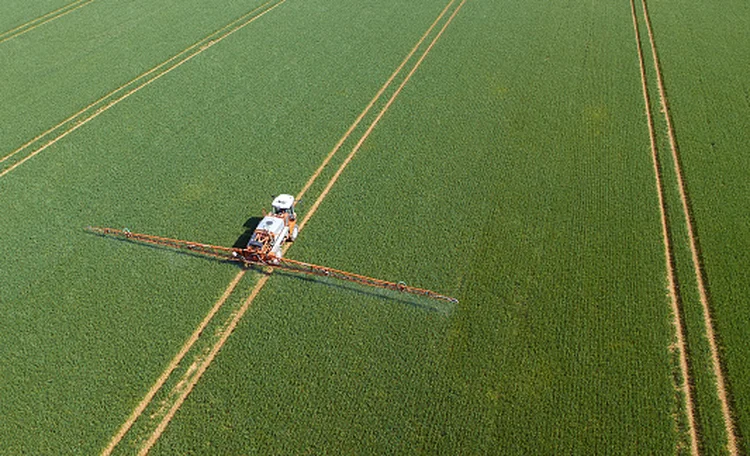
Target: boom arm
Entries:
(252, 258)
(307, 268)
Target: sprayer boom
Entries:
(260, 254)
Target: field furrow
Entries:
(172, 365)
(695, 256)
(19, 13)
(369, 106)
(703, 67)
(46, 19)
(48, 138)
(684, 381)
(102, 45)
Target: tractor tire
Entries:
(295, 233)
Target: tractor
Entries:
(274, 229)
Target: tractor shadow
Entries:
(405, 299)
(249, 226)
(164, 248)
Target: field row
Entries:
(51, 136)
(62, 68)
(19, 16)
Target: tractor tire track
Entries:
(371, 104)
(261, 283)
(42, 20)
(721, 387)
(171, 366)
(4, 34)
(374, 123)
(207, 319)
(103, 104)
(677, 321)
(203, 366)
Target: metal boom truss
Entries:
(248, 257)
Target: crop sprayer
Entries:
(265, 249)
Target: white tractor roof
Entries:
(273, 224)
(283, 201)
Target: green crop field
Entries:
(499, 152)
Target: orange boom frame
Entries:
(263, 257)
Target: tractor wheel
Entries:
(294, 234)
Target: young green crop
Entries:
(514, 173)
(53, 72)
(707, 91)
(92, 322)
(17, 14)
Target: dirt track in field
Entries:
(246, 305)
(188, 387)
(673, 298)
(697, 263)
(103, 104)
(41, 20)
(227, 292)
(370, 105)
(172, 366)
(372, 126)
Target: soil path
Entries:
(81, 118)
(371, 104)
(374, 123)
(41, 20)
(246, 305)
(697, 263)
(172, 366)
(675, 304)
(191, 340)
